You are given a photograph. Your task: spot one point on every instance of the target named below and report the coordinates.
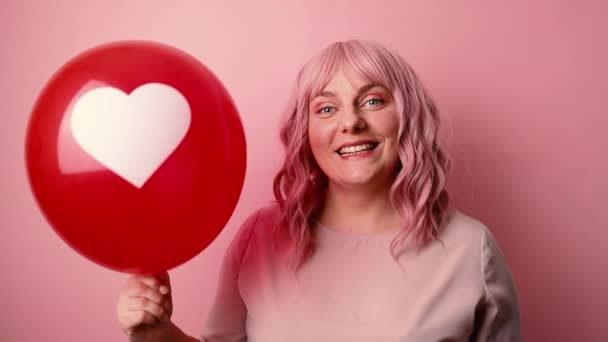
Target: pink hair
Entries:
(418, 191)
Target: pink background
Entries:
(521, 85)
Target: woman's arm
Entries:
(228, 314)
(497, 318)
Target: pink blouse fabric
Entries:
(455, 289)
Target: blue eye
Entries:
(374, 102)
(325, 110)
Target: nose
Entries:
(352, 122)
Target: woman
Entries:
(361, 244)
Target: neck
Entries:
(359, 210)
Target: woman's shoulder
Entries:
(259, 224)
(263, 218)
(269, 213)
(462, 229)
(465, 234)
(254, 231)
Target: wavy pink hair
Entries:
(418, 191)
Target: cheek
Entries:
(320, 140)
(390, 126)
(319, 137)
(314, 141)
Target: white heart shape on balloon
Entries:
(131, 134)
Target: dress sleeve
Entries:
(228, 314)
(497, 318)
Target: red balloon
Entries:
(136, 155)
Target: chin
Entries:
(359, 182)
(373, 178)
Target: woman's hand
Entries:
(144, 304)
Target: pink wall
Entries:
(521, 85)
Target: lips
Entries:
(358, 142)
(358, 146)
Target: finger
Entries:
(132, 319)
(143, 304)
(137, 290)
(155, 282)
(152, 281)
(165, 286)
(167, 280)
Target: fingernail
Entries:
(164, 290)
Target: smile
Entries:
(357, 149)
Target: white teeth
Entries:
(357, 148)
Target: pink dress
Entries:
(459, 289)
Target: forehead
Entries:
(343, 80)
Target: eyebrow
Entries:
(361, 90)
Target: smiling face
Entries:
(353, 127)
